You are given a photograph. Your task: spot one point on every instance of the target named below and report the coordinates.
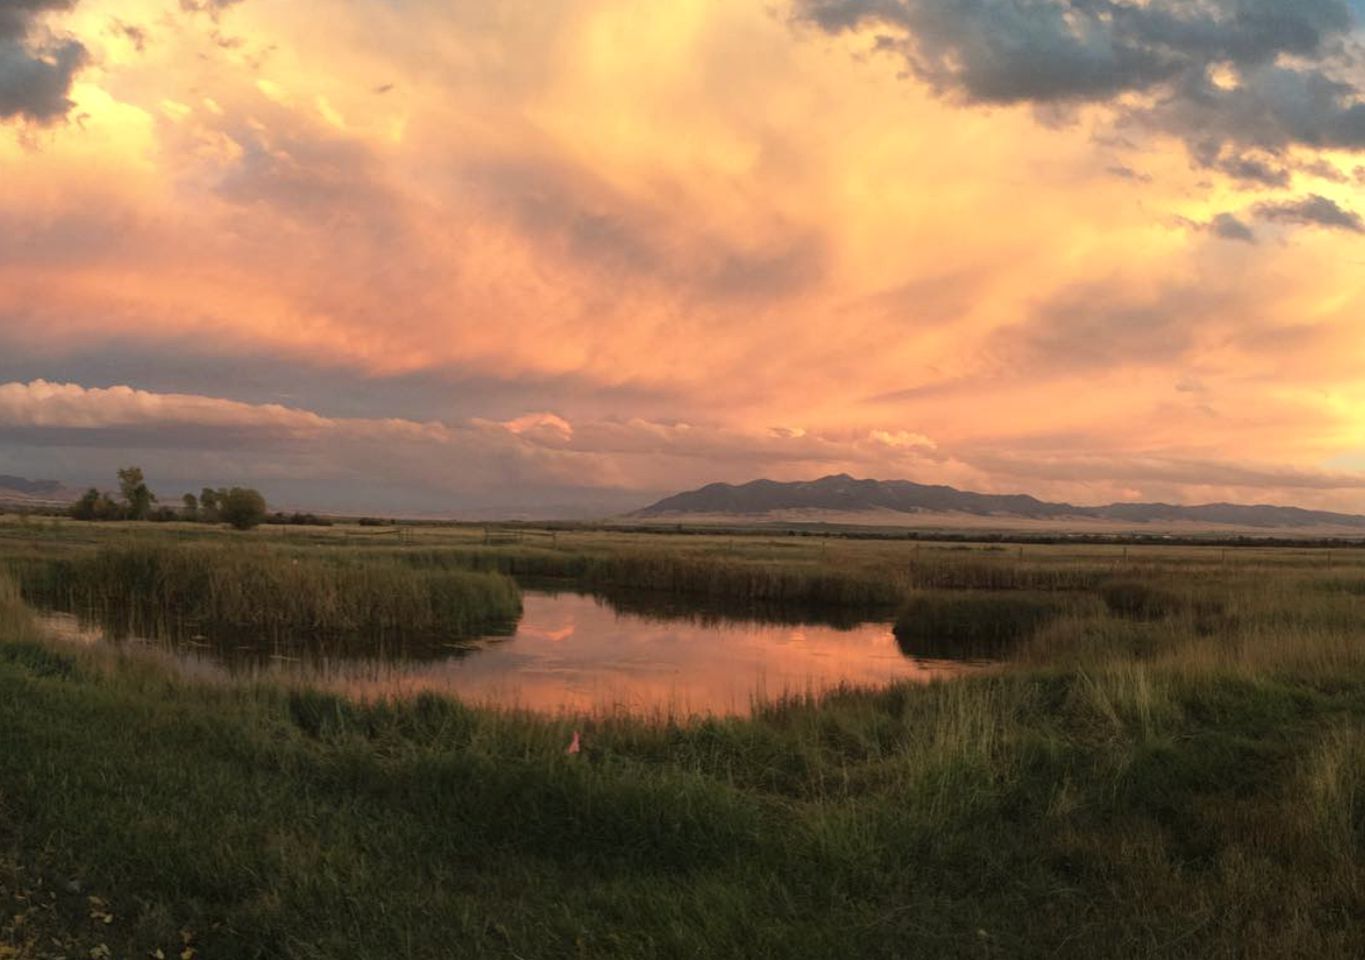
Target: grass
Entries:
(714, 576)
(973, 622)
(1189, 783)
(157, 588)
(1120, 813)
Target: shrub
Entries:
(242, 507)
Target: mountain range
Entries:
(880, 500)
(22, 490)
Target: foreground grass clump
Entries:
(152, 588)
(1116, 813)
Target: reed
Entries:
(153, 588)
(772, 583)
(691, 575)
(972, 623)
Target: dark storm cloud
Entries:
(1313, 210)
(1007, 51)
(1228, 227)
(1284, 62)
(35, 72)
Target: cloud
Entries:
(1097, 325)
(42, 405)
(1007, 51)
(211, 7)
(1230, 77)
(131, 32)
(1173, 472)
(539, 449)
(1124, 172)
(1314, 210)
(1228, 227)
(35, 71)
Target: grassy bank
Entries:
(1164, 793)
(153, 588)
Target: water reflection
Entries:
(579, 653)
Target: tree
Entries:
(242, 507)
(94, 505)
(191, 502)
(208, 505)
(136, 494)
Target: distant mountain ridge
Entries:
(844, 494)
(14, 488)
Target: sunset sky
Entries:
(571, 255)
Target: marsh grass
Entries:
(975, 623)
(709, 576)
(1108, 812)
(1187, 785)
(1333, 786)
(1141, 600)
(153, 589)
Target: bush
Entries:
(242, 507)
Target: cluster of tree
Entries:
(241, 507)
(136, 502)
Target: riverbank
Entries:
(1179, 807)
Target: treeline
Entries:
(240, 507)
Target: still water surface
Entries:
(581, 654)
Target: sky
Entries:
(567, 256)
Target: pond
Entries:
(576, 653)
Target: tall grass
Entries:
(773, 583)
(152, 588)
(972, 623)
(702, 576)
(1333, 786)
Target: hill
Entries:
(20, 490)
(903, 501)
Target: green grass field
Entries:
(1172, 766)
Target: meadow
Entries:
(1172, 764)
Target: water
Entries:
(582, 654)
